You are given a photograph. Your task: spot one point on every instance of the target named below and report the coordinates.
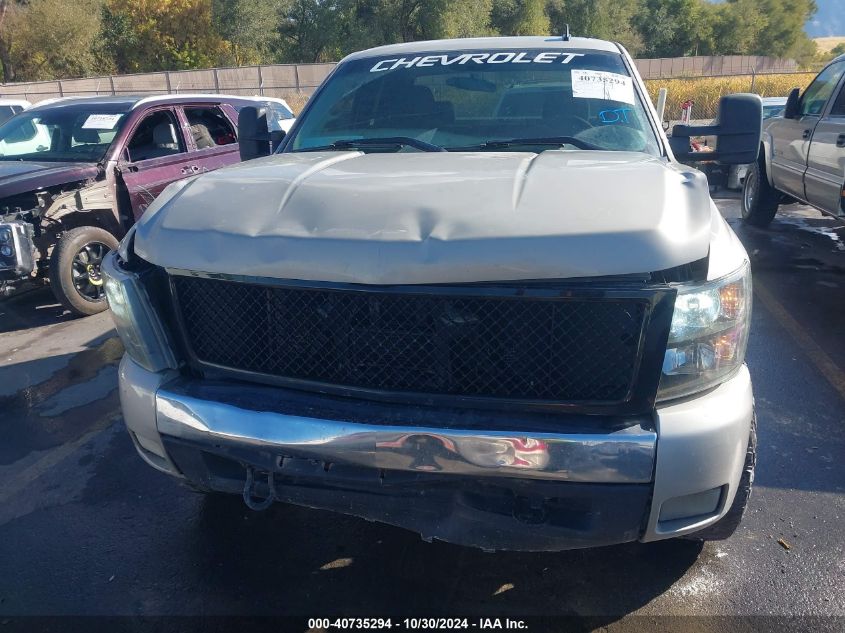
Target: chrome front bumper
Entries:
(623, 456)
(682, 450)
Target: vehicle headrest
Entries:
(86, 135)
(164, 134)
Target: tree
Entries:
(309, 30)
(520, 17)
(49, 39)
(604, 19)
(672, 28)
(147, 35)
(466, 18)
(784, 34)
(249, 28)
(6, 65)
(737, 26)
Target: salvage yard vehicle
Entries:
(802, 153)
(11, 107)
(474, 294)
(76, 173)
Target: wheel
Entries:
(759, 199)
(75, 269)
(727, 525)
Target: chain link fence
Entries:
(704, 93)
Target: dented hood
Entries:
(21, 176)
(414, 218)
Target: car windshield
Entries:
(502, 100)
(61, 133)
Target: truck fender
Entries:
(766, 155)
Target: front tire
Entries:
(75, 269)
(728, 524)
(759, 199)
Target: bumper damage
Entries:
(490, 480)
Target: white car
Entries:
(10, 107)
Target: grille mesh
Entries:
(561, 350)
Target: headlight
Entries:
(140, 329)
(708, 336)
(17, 252)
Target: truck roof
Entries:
(488, 43)
(130, 102)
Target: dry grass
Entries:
(827, 44)
(706, 91)
(296, 101)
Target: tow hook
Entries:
(249, 498)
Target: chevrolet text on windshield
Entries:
(545, 57)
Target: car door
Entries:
(211, 136)
(155, 155)
(791, 137)
(825, 177)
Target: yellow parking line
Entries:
(830, 370)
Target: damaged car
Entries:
(474, 294)
(76, 173)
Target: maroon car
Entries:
(76, 173)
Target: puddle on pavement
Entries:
(79, 398)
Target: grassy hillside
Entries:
(827, 44)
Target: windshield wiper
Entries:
(387, 141)
(554, 141)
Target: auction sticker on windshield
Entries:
(598, 84)
(101, 121)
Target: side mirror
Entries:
(793, 105)
(737, 128)
(254, 137)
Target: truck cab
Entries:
(474, 294)
(802, 153)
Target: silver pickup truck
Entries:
(802, 154)
(474, 294)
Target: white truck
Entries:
(474, 294)
(802, 153)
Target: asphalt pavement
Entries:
(86, 528)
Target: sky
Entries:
(829, 19)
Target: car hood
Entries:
(415, 218)
(18, 177)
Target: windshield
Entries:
(463, 100)
(67, 133)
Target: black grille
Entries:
(559, 349)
